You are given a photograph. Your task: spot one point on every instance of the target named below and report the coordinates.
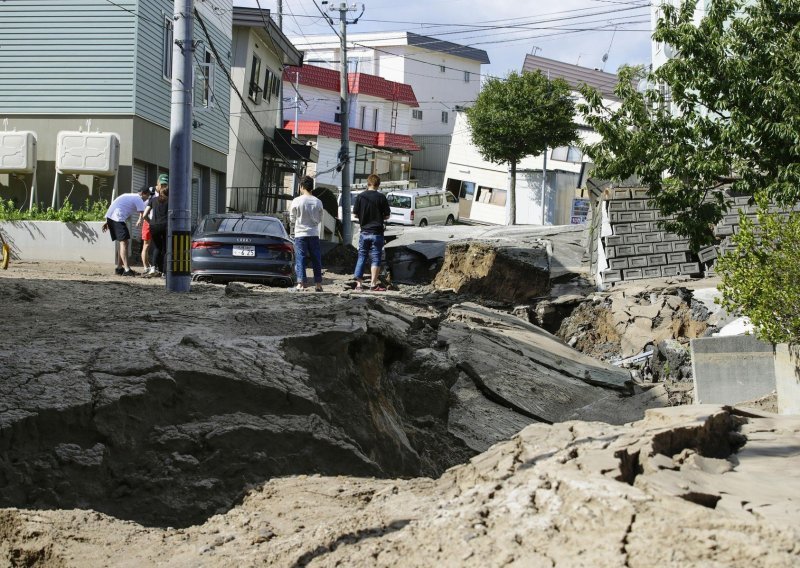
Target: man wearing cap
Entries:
(118, 212)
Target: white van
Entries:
(353, 195)
(422, 206)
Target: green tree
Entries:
(760, 276)
(724, 111)
(520, 116)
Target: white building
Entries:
(260, 151)
(482, 186)
(379, 119)
(445, 76)
(661, 52)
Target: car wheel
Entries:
(450, 220)
(423, 223)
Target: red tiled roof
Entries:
(365, 137)
(358, 83)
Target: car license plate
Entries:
(244, 250)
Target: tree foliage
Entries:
(760, 276)
(724, 111)
(519, 116)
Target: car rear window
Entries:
(243, 225)
(400, 201)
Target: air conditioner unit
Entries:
(17, 152)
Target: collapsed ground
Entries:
(166, 409)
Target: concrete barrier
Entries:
(54, 240)
(730, 370)
(787, 378)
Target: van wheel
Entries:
(450, 220)
(423, 223)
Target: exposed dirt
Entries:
(697, 487)
(303, 429)
(498, 272)
(164, 408)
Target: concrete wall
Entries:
(54, 240)
(787, 378)
(730, 370)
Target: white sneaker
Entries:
(150, 270)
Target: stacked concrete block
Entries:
(639, 246)
(724, 230)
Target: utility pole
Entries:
(178, 260)
(344, 113)
(294, 131)
(544, 181)
(280, 82)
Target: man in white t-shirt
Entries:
(118, 212)
(305, 214)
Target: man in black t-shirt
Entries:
(372, 209)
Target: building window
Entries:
(567, 154)
(166, 48)
(466, 76)
(445, 117)
(254, 91)
(363, 117)
(276, 84)
(337, 118)
(491, 196)
(375, 120)
(416, 114)
(390, 166)
(268, 76)
(442, 68)
(207, 78)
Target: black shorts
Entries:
(118, 230)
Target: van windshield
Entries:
(400, 201)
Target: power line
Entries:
(485, 25)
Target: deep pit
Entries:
(166, 409)
(182, 431)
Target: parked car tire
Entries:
(450, 220)
(423, 223)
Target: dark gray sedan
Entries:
(248, 247)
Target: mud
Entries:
(164, 409)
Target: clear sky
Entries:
(574, 31)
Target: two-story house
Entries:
(379, 117)
(261, 151)
(482, 186)
(107, 66)
(445, 76)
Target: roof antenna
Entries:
(534, 49)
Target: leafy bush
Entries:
(66, 214)
(760, 276)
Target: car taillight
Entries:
(284, 247)
(206, 245)
(412, 214)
